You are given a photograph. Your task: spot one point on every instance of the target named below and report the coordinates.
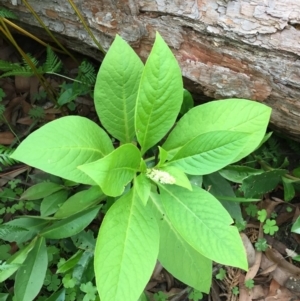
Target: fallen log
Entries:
(226, 48)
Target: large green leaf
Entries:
(80, 201)
(160, 95)
(116, 90)
(237, 115)
(209, 152)
(113, 172)
(203, 222)
(71, 225)
(177, 256)
(40, 190)
(61, 145)
(126, 249)
(30, 276)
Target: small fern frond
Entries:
(21, 71)
(294, 145)
(33, 60)
(36, 113)
(5, 13)
(53, 63)
(8, 66)
(6, 230)
(87, 73)
(274, 145)
(5, 153)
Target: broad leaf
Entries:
(30, 276)
(52, 203)
(159, 97)
(203, 222)
(80, 201)
(70, 263)
(71, 225)
(187, 103)
(237, 173)
(113, 172)
(40, 190)
(209, 152)
(126, 249)
(258, 184)
(116, 90)
(237, 115)
(177, 256)
(83, 270)
(85, 240)
(63, 144)
(288, 188)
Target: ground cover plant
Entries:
(158, 202)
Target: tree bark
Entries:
(226, 48)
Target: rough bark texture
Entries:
(226, 49)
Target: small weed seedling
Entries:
(154, 177)
(235, 290)
(221, 275)
(261, 245)
(270, 227)
(249, 284)
(195, 295)
(262, 215)
(160, 296)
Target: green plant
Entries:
(249, 283)
(156, 209)
(195, 295)
(51, 65)
(261, 245)
(262, 215)
(251, 210)
(235, 290)
(81, 85)
(221, 274)
(160, 296)
(263, 170)
(5, 159)
(270, 227)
